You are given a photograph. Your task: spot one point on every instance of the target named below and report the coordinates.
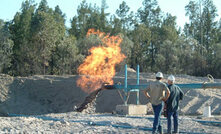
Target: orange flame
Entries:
(99, 66)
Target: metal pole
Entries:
(138, 82)
(182, 86)
(125, 85)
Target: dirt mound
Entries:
(58, 94)
(131, 73)
(40, 94)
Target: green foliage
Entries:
(6, 46)
(140, 54)
(150, 13)
(20, 30)
(169, 31)
(87, 43)
(35, 33)
(167, 58)
(203, 28)
(117, 25)
(89, 17)
(36, 41)
(126, 48)
(216, 63)
(65, 57)
(122, 13)
(5, 54)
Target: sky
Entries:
(8, 8)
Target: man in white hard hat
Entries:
(176, 94)
(156, 93)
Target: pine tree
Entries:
(20, 30)
(6, 45)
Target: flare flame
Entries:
(99, 66)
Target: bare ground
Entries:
(58, 96)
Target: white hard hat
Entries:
(171, 78)
(159, 74)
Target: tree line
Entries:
(37, 41)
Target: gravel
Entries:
(74, 122)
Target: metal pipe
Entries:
(182, 86)
(206, 122)
(125, 85)
(138, 74)
(138, 82)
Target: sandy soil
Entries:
(48, 103)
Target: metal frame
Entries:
(136, 88)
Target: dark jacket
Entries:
(176, 94)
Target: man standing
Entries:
(176, 94)
(156, 93)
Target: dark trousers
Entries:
(157, 112)
(169, 121)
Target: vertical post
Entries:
(138, 82)
(125, 85)
(138, 74)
